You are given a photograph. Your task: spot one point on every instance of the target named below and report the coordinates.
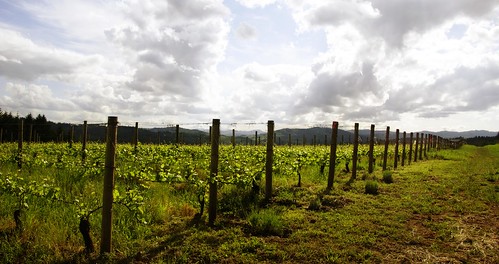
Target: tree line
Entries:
(39, 129)
(39, 126)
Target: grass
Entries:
(445, 209)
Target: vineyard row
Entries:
(229, 167)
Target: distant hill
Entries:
(307, 135)
(464, 134)
(40, 129)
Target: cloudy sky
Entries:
(412, 64)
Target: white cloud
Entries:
(32, 98)
(259, 92)
(256, 3)
(308, 61)
(412, 58)
(24, 60)
(172, 45)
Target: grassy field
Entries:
(441, 210)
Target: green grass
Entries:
(441, 210)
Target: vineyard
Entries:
(52, 205)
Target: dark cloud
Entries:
(400, 17)
(393, 19)
(468, 89)
(341, 89)
(464, 89)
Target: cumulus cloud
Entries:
(261, 92)
(33, 98)
(348, 90)
(390, 20)
(22, 59)
(387, 58)
(172, 44)
(400, 17)
(380, 60)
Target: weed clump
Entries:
(266, 223)
(387, 177)
(371, 188)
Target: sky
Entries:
(413, 64)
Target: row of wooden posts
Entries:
(423, 143)
(33, 136)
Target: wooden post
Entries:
(421, 143)
(256, 138)
(177, 134)
(84, 141)
(20, 133)
(396, 149)
(404, 135)
(332, 157)
(233, 138)
(371, 150)
(355, 151)
(411, 139)
(212, 209)
(136, 136)
(387, 141)
(107, 196)
(416, 148)
(269, 160)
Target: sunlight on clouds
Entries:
(294, 61)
